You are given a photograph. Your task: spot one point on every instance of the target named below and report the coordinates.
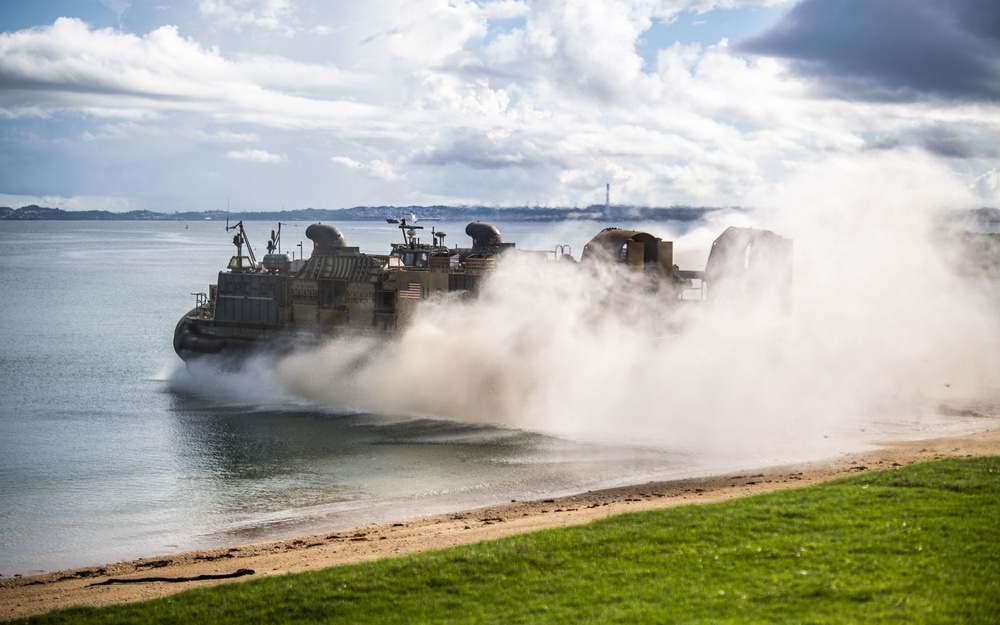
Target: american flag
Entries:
(413, 290)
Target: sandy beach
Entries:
(24, 596)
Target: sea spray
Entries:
(249, 382)
(881, 329)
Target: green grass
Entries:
(912, 545)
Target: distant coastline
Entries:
(375, 213)
(971, 219)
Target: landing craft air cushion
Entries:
(279, 303)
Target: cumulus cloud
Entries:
(987, 186)
(68, 57)
(891, 49)
(585, 48)
(256, 156)
(482, 151)
(384, 170)
(346, 161)
(236, 14)
(456, 101)
(109, 73)
(378, 169)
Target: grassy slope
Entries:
(913, 545)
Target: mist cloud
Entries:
(882, 334)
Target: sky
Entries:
(284, 104)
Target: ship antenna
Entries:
(407, 236)
(239, 240)
(275, 242)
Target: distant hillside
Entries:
(369, 213)
(977, 219)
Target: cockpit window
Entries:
(413, 258)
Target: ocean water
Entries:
(110, 449)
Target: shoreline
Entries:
(36, 594)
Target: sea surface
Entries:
(111, 449)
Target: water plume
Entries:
(881, 332)
(252, 383)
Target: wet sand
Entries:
(24, 596)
